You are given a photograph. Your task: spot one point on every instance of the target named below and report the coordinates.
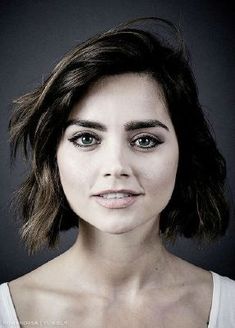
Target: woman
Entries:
(119, 147)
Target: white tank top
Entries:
(222, 313)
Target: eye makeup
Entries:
(89, 139)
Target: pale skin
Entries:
(118, 273)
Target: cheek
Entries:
(73, 172)
(74, 169)
(160, 179)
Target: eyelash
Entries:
(156, 141)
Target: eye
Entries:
(146, 142)
(85, 139)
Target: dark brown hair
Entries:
(197, 207)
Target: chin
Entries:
(115, 228)
(118, 231)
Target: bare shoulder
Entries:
(37, 289)
(194, 277)
(198, 285)
(38, 277)
(196, 271)
(187, 297)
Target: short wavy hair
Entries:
(197, 208)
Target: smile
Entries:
(116, 200)
(115, 195)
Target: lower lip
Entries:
(116, 203)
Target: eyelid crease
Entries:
(81, 133)
(131, 132)
(93, 134)
(156, 140)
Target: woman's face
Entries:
(120, 141)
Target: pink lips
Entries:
(116, 203)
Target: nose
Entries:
(116, 163)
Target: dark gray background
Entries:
(33, 37)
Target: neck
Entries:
(133, 259)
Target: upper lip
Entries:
(125, 191)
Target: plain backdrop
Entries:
(34, 35)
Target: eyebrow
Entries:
(129, 126)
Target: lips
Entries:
(109, 201)
(116, 198)
(115, 195)
(120, 191)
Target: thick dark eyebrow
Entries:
(132, 125)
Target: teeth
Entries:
(115, 195)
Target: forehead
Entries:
(117, 98)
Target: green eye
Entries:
(85, 140)
(146, 142)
